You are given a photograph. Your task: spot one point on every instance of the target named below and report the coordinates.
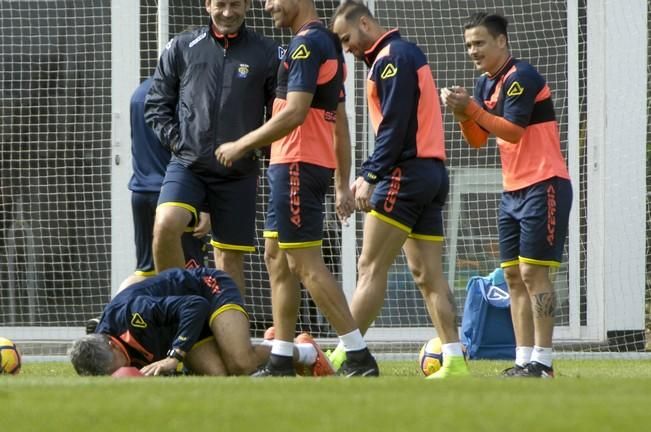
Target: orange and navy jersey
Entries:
(313, 63)
(403, 105)
(171, 309)
(519, 94)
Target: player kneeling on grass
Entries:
(191, 316)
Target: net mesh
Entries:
(55, 176)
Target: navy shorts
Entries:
(533, 223)
(296, 204)
(412, 197)
(231, 203)
(143, 207)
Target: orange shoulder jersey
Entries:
(313, 63)
(403, 104)
(519, 94)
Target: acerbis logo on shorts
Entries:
(394, 188)
(551, 215)
(294, 197)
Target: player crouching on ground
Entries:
(191, 316)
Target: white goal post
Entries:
(66, 239)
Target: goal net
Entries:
(58, 178)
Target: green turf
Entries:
(588, 395)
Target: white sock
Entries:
(306, 353)
(267, 342)
(452, 349)
(542, 355)
(353, 341)
(282, 348)
(523, 355)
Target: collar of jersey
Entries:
(371, 53)
(311, 23)
(230, 37)
(505, 67)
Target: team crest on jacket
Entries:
(243, 70)
(300, 53)
(389, 71)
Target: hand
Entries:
(203, 226)
(229, 152)
(161, 367)
(363, 192)
(344, 203)
(457, 99)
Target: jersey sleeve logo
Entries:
(137, 321)
(300, 53)
(389, 71)
(515, 90)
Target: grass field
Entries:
(587, 395)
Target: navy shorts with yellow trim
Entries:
(412, 197)
(296, 203)
(533, 223)
(231, 203)
(222, 294)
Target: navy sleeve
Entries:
(520, 91)
(189, 311)
(397, 87)
(162, 99)
(304, 61)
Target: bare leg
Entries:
(521, 312)
(308, 265)
(425, 262)
(381, 244)
(543, 301)
(205, 359)
(231, 331)
(169, 226)
(285, 291)
(232, 263)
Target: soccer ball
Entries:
(430, 357)
(9, 357)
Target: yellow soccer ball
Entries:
(9, 357)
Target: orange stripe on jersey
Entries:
(374, 107)
(311, 142)
(543, 159)
(128, 338)
(543, 94)
(429, 137)
(327, 71)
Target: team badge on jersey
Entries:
(281, 53)
(243, 70)
(389, 71)
(137, 321)
(515, 90)
(300, 53)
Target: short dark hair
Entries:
(494, 23)
(351, 10)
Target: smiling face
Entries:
(486, 51)
(354, 36)
(227, 15)
(283, 12)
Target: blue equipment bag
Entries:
(486, 327)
